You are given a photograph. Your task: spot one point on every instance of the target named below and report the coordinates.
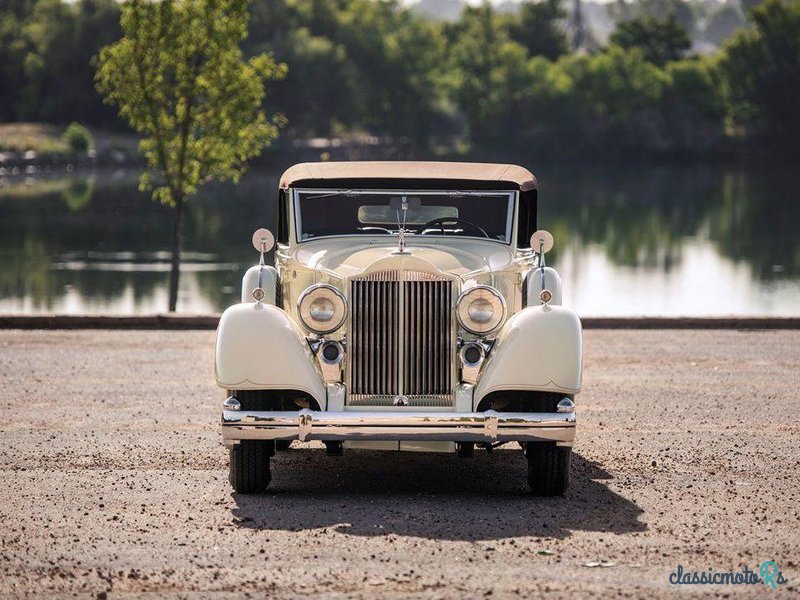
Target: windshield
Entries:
(320, 213)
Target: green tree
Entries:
(748, 5)
(660, 40)
(489, 75)
(60, 40)
(614, 100)
(683, 11)
(761, 67)
(694, 109)
(397, 56)
(178, 78)
(319, 94)
(12, 74)
(540, 28)
(356, 65)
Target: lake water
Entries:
(678, 241)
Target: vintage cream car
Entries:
(409, 308)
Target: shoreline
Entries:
(210, 321)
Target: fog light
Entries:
(565, 406)
(231, 403)
(472, 354)
(332, 352)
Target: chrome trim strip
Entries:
(489, 426)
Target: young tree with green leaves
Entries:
(178, 78)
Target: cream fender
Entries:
(539, 348)
(260, 348)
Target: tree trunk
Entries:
(175, 272)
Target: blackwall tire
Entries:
(548, 468)
(249, 466)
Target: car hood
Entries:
(347, 257)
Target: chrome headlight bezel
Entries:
(322, 291)
(481, 293)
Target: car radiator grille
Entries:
(400, 342)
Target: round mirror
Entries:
(263, 240)
(543, 239)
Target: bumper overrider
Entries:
(489, 426)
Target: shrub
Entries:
(77, 139)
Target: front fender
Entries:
(260, 348)
(540, 349)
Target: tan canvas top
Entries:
(519, 176)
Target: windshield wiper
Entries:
(347, 193)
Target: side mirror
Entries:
(542, 241)
(263, 240)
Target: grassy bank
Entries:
(30, 143)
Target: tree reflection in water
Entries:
(643, 216)
(96, 244)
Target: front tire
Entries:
(249, 466)
(548, 468)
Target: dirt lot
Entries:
(114, 480)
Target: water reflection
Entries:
(645, 240)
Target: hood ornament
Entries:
(400, 400)
(401, 206)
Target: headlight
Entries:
(322, 308)
(480, 309)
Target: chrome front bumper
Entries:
(489, 426)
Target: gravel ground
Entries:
(114, 480)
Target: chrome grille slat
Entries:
(400, 339)
(380, 373)
(362, 355)
(420, 366)
(370, 336)
(427, 324)
(393, 300)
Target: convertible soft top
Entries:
(383, 174)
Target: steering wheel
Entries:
(442, 220)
